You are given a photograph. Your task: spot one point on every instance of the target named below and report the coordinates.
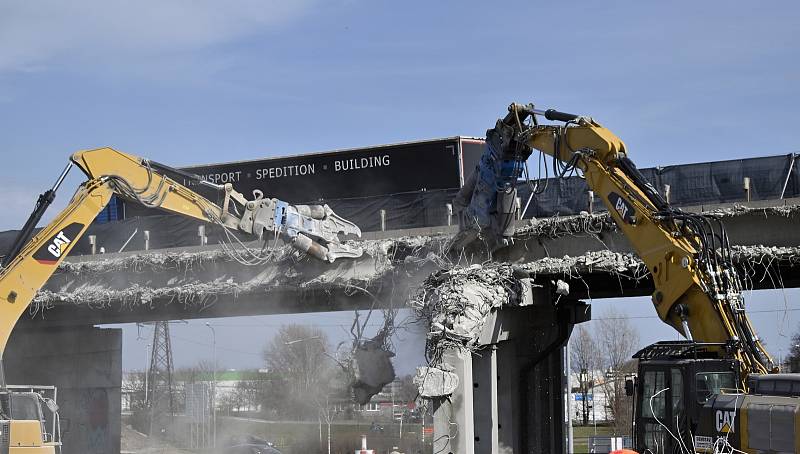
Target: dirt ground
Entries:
(134, 442)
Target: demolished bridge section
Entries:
(586, 251)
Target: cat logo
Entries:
(55, 248)
(58, 245)
(623, 208)
(620, 207)
(725, 420)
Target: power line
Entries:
(192, 341)
(278, 325)
(636, 317)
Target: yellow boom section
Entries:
(669, 250)
(37, 261)
(110, 172)
(133, 177)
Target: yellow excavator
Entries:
(312, 229)
(717, 391)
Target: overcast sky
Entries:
(190, 82)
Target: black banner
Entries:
(364, 172)
(352, 173)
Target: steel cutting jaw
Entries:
(314, 229)
(322, 226)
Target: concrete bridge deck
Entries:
(585, 250)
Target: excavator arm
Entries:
(697, 289)
(311, 228)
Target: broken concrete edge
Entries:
(554, 227)
(158, 260)
(201, 294)
(456, 303)
(596, 223)
(289, 272)
(435, 382)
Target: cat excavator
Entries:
(312, 229)
(716, 391)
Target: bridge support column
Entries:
(511, 392)
(85, 364)
(453, 430)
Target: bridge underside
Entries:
(586, 251)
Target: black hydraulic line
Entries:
(554, 115)
(44, 201)
(629, 168)
(185, 174)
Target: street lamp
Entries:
(146, 371)
(300, 340)
(213, 385)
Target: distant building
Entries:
(597, 405)
(387, 405)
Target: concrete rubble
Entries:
(432, 382)
(373, 370)
(455, 303)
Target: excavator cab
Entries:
(675, 381)
(35, 424)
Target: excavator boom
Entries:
(313, 229)
(716, 391)
(697, 290)
(32, 259)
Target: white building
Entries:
(596, 402)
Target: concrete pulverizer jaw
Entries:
(316, 230)
(330, 227)
(335, 225)
(313, 229)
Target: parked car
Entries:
(250, 444)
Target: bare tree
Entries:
(298, 355)
(617, 340)
(792, 361)
(407, 391)
(584, 361)
(134, 385)
(330, 396)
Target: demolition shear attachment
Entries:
(313, 229)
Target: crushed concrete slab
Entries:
(432, 382)
(199, 279)
(373, 371)
(455, 303)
